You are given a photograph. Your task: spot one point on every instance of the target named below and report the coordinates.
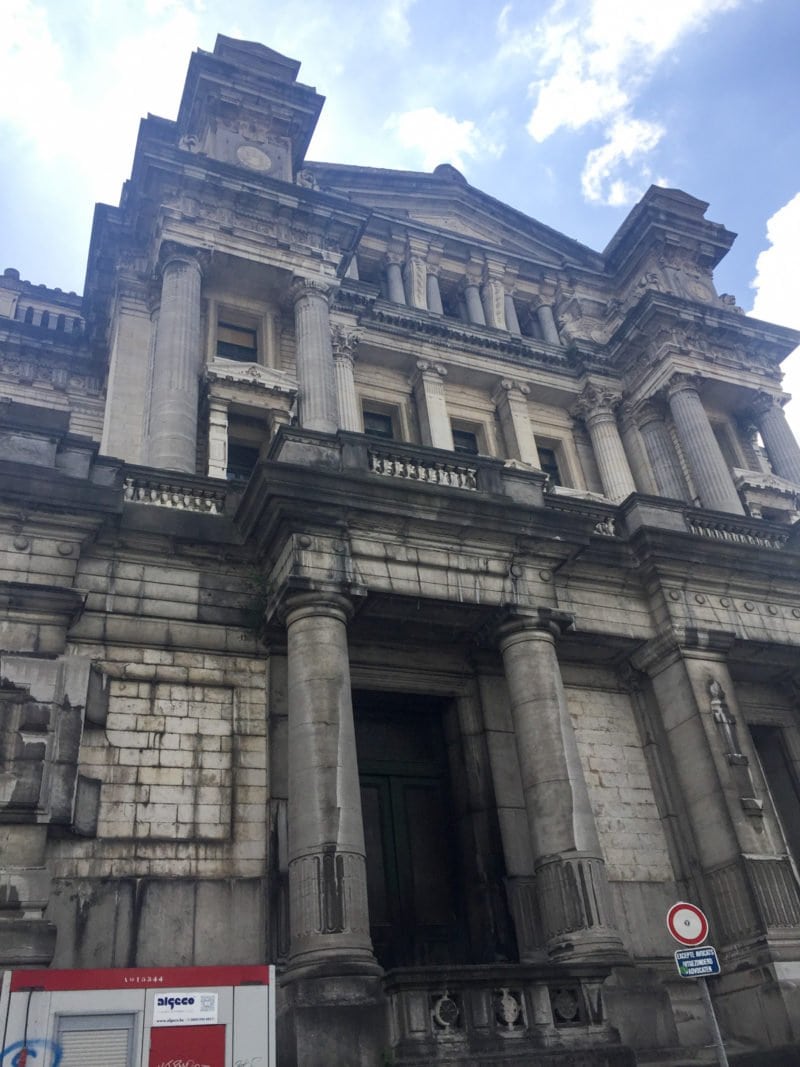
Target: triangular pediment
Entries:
(444, 202)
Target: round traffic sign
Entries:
(687, 923)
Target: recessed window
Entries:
(241, 461)
(548, 462)
(465, 442)
(378, 424)
(237, 342)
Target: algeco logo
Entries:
(174, 1002)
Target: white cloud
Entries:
(628, 141)
(394, 21)
(775, 283)
(593, 58)
(440, 138)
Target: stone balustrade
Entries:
(396, 464)
(174, 493)
(733, 532)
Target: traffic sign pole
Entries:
(719, 1048)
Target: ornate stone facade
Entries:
(403, 593)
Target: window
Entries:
(96, 1040)
(241, 461)
(781, 781)
(549, 464)
(237, 342)
(465, 442)
(378, 424)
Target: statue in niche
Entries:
(723, 718)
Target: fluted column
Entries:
(176, 365)
(597, 407)
(572, 884)
(429, 393)
(634, 449)
(779, 441)
(344, 354)
(710, 471)
(217, 438)
(329, 920)
(511, 401)
(314, 355)
(394, 279)
(547, 322)
(660, 451)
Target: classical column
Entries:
(328, 912)
(544, 313)
(472, 300)
(710, 471)
(634, 449)
(512, 321)
(660, 451)
(597, 407)
(394, 279)
(217, 438)
(344, 354)
(434, 293)
(510, 399)
(176, 365)
(572, 884)
(493, 296)
(429, 393)
(779, 441)
(314, 355)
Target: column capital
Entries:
(426, 370)
(344, 342)
(318, 287)
(393, 258)
(597, 400)
(507, 387)
(649, 410)
(297, 605)
(681, 382)
(534, 624)
(171, 252)
(764, 402)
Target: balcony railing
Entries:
(174, 492)
(394, 463)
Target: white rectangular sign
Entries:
(183, 1007)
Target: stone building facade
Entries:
(401, 592)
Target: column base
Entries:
(324, 1021)
(576, 910)
(329, 964)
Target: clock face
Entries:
(253, 158)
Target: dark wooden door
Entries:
(412, 882)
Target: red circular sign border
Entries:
(689, 942)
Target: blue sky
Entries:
(566, 109)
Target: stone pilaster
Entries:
(314, 355)
(416, 274)
(660, 451)
(572, 884)
(394, 279)
(547, 322)
(176, 365)
(709, 469)
(344, 355)
(429, 393)
(597, 407)
(779, 441)
(327, 868)
(510, 399)
(493, 296)
(217, 438)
